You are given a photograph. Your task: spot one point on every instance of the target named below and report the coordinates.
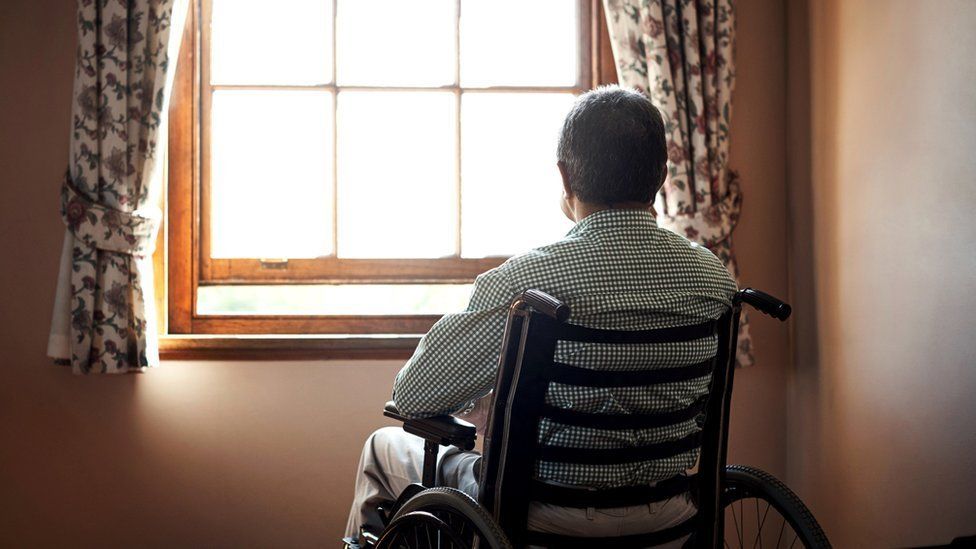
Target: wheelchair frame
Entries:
(530, 338)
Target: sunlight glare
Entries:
(271, 174)
(396, 174)
(281, 42)
(510, 186)
(337, 299)
(519, 43)
(393, 42)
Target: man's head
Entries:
(612, 150)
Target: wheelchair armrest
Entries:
(443, 430)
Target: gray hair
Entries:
(613, 148)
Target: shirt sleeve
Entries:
(456, 362)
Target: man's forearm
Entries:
(455, 363)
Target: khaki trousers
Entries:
(392, 459)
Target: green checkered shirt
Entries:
(616, 269)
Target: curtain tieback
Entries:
(711, 225)
(105, 228)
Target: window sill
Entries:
(278, 347)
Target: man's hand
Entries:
(478, 415)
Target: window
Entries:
(349, 167)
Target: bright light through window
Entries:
(280, 42)
(395, 43)
(338, 299)
(396, 174)
(508, 147)
(386, 130)
(271, 173)
(497, 37)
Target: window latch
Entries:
(273, 263)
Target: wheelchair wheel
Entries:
(442, 518)
(760, 511)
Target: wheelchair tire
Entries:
(448, 515)
(766, 493)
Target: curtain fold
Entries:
(103, 320)
(680, 53)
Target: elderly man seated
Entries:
(616, 269)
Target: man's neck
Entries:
(584, 209)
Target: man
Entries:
(615, 270)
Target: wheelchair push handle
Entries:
(764, 303)
(544, 303)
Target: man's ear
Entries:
(564, 173)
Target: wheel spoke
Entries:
(736, 520)
(742, 518)
(758, 527)
(762, 522)
(782, 527)
(449, 519)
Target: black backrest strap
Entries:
(575, 332)
(608, 456)
(557, 541)
(622, 421)
(624, 496)
(586, 377)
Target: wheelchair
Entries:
(737, 506)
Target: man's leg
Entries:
(392, 460)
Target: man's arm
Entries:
(456, 362)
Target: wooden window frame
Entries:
(183, 259)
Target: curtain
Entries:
(103, 317)
(680, 53)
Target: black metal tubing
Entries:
(494, 436)
(711, 461)
(519, 393)
(764, 303)
(430, 464)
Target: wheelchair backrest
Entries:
(513, 451)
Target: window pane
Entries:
(519, 43)
(397, 195)
(261, 42)
(395, 42)
(510, 184)
(271, 172)
(341, 299)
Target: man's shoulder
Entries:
(657, 253)
(538, 260)
(694, 256)
(689, 249)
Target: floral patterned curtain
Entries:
(680, 53)
(103, 319)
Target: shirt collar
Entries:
(611, 218)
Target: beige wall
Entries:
(257, 454)
(759, 153)
(882, 420)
